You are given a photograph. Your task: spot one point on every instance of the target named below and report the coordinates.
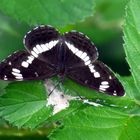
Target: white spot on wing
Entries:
(86, 58)
(83, 55)
(104, 86)
(39, 48)
(5, 77)
(30, 59)
(35, 50)
(50, 45)
(91, 67)
(115, 94)
(76, 50)
(104, 83)
(71, 47)
(96, 74)
(44, 47)
(17, 74)
(34, 54)
(19, 77)
(79, 53)
(88, 62)
(10, 63)
(25, 64)
(110, 77)
(16, 70)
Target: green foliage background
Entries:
(114, 26)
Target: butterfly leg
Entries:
(60, 81)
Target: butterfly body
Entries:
(72, 55)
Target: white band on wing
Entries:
(38, 49)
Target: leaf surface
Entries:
(56, 13)
(132, 39)
(24, 104)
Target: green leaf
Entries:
(14, 33)
(3, 85)
(110, 11)
(130, 88)
(132, 39)
(24, 104)
(99, 123)
(58, 12)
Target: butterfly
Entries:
(49, 53)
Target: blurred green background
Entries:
(104, 28)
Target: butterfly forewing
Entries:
(42, 42)
(99, 77)
(23, 66)
(79, 48)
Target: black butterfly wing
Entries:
(23, 66)
(42, 42)
(80, 50)
(99, 77)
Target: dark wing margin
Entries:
(23, 66)
(99, 77)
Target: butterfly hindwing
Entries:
(42, 42)
(99, 77)
(23, 66)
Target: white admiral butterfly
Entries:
(48, 54)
